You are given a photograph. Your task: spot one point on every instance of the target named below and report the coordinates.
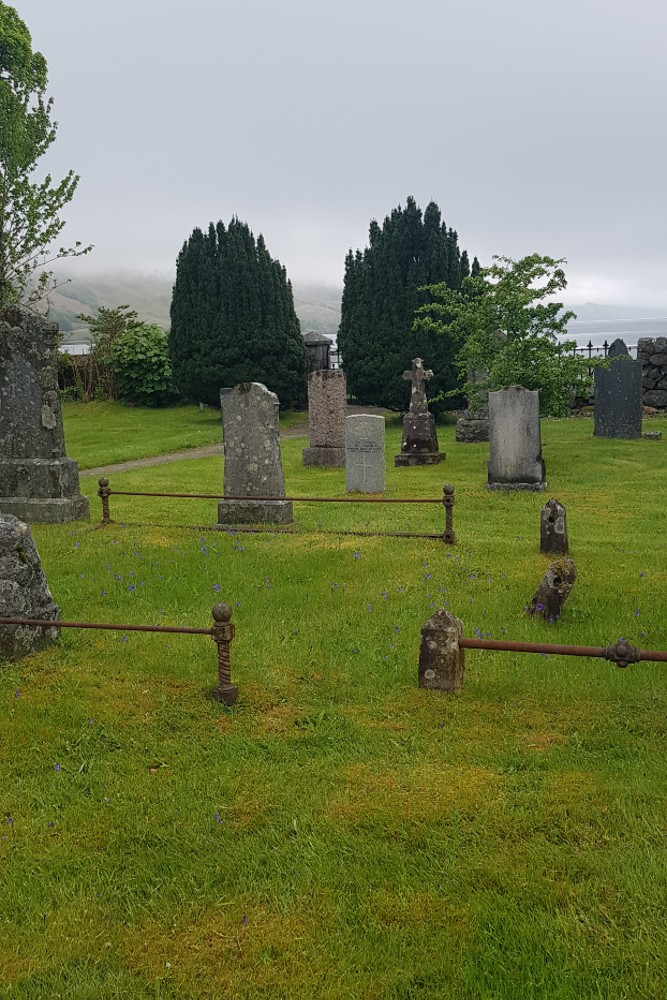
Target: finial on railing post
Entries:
(448, 536)
(103, 494)
(222, 634)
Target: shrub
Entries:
(140, 361)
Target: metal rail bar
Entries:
(620, 651)
(220, 496)
(50, 623)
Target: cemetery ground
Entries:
(339, 832)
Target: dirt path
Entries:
(297, 430)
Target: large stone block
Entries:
(515, 445)
(327, 405)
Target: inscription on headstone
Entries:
(419, 445)
(253, 466)
(515, 445)
(327, 405)
(618, 396)
(38, 482)
(364, 454)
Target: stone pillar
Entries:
(24, 592)
(553, 528)
(253, 466)
(327, 406)
(441, 659)
(618, 396)
(515, 445)
(38, 482)
(364, 454)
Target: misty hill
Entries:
(317, 306)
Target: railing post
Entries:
(222, 634)
(448, 536)
(103, 493)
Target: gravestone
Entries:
(253, 467)
(364, 454)
(553, 528)
(618, 396)
(515, 446)
(554, 590)
(472, 427)
(419, 445)
(24, 592)
(327, 405)
(441, 659)
(38, 482)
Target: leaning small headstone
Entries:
(618, 396)
(24, 592)
(515, 444)
(38, 482)
(419, 444)
(554, 590)
(253, 466)
(553, 528)
(327, 405)
(364, 453)
(441, 659)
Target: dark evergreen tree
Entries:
(233, 318)
(383, 286)
(475, 269)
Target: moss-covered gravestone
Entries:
(24, 592)
(38, 482)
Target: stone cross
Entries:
(418, 375)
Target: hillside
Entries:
(317, 306)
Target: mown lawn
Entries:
(340, 833)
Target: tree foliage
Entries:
(507, 326)
(29, 209)
(140, 361)
(233, 318)
(383, 287)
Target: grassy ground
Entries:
(340, 833)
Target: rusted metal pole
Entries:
(621, 653)
(448, 536)
(103, 493)
(221, 496)
(223, 633)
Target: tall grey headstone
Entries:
(618, 396)
(364, 454)
(419, 444)
(253, 466)
(327, 405)
(38, 482)
(24, 592)
(515, 444)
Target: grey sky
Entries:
(537, 127)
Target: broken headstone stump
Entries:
(441, 661)
(24, 592)
(553, 528)
(554, 590)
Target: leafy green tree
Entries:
(105, 330)
(29, 210)
(507, 326)
(233, 318)
(141, 364)
(382, 288)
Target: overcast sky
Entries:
(537, 127)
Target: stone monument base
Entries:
(47, 510)
(255, 512)
(332, 457)
(472, 430)
(419, 458)
(527, 487)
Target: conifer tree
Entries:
(233, 318)
(383, 287)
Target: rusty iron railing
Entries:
(222, 632)
(622, 653)
(447, 536)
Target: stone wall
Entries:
(652, 352)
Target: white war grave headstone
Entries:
(364, 454)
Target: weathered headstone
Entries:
(364, 454)
(472, 426)
(554, 590)
(253, 466)
(327, 405)
(553, 528)
(515, 445)
(24, 592)
(38, 482)
(618, 396)
(441, 659)
(419, 445)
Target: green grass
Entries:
(340, 833)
